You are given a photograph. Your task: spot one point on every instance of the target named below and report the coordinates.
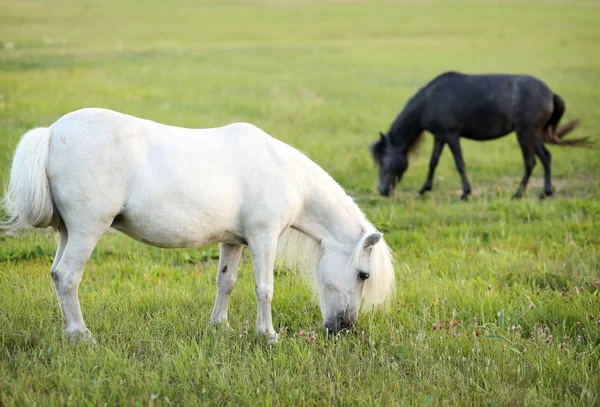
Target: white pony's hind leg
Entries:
(67, 275)
(62, 230)
(62, 243)
(264, 247)
(229, 259)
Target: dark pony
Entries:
(477, 107)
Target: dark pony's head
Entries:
(392, 162)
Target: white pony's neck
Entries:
(329, 215)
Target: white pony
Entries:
(166, 186)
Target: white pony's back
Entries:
(199, 185)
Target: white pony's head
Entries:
(347, 275)
(344, 274)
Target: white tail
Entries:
(27, 200)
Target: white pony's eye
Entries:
(363, 276)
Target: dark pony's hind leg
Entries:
(435, 156)
(526, 142)
(546, 159)
(454, 145)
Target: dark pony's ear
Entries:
(378, 148)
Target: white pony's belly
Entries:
(180, 210)
(175, 233)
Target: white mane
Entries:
(298, 250)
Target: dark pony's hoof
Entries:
(464, 197)
(548, 195)
(517, 195)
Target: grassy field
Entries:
(498, 301)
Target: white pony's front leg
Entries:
(229, 259)
(264, 247)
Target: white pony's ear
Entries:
(372, 239)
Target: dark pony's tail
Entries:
(554, 133)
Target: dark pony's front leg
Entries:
(435, 156)
(460, 165)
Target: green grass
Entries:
(325, 77)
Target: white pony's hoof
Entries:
(272, 338)
(223, 327)
(80, 336)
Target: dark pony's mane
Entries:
(406, 132)
(416, 144)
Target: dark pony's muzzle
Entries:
(385, 191)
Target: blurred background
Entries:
(325, 76)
